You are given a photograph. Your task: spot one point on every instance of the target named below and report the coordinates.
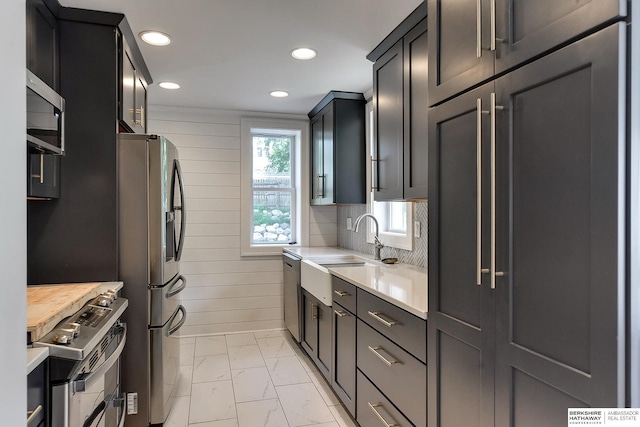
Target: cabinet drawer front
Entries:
(37, 392)
(374, 409)
(399, 375)
(344, 293)
(401, 327)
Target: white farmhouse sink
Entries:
(315, 276)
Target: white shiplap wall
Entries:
(225, 292)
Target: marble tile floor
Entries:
(255, 379)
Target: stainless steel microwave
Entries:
(45, 117)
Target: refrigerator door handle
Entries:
(177, 174)
(172, 291)
(173, 329)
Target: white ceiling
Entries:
(229, 54)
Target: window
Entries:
(273, 188)
(395, 219)
(271, 185)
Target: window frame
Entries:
(272, 127)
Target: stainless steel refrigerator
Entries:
(151, 230)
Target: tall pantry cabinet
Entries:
(74, 238)
(527, 229)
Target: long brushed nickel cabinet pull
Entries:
(31, 415)
(493, 25)
(479, 28)
(386, 423)
(374, 174)
(375, 351)
(479, 192)
(376, 315)
(480, 270)
(494, 273)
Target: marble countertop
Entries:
(403, 285)
(35, 356)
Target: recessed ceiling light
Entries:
(155, 38)
(303, 53)
(279, 93)
(169, 85)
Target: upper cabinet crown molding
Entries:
(114, 20)
(399, 32)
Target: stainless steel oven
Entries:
(85, 352)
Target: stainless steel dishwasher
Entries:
(292, 294)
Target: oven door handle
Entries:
(84, 383)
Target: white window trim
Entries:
(391, 239)
(298, 128)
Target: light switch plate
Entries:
(416, 229)
(349, 224)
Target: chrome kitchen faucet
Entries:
(378, 243)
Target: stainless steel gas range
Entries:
(84, 352)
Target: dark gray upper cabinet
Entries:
(388, 125)
(338, 169)
(416, 87)
(526, 295)
(473, 40)
(38, 396)
(43, 179)
(75, 238)
(400, 88)
(43, 176)
(42, 43)
(133, 91)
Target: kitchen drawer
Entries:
(374, 409)
(401, 327)
(37, 394)
(344, 293)
(400, 376)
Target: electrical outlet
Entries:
(416, 229)
(349, 224)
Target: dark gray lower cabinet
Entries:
(343, 376)
(400, 377)
(374, 409)
(316, 332)
(528, 309)
(461, 313)
(38, 395)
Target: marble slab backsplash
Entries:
(358, 241)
